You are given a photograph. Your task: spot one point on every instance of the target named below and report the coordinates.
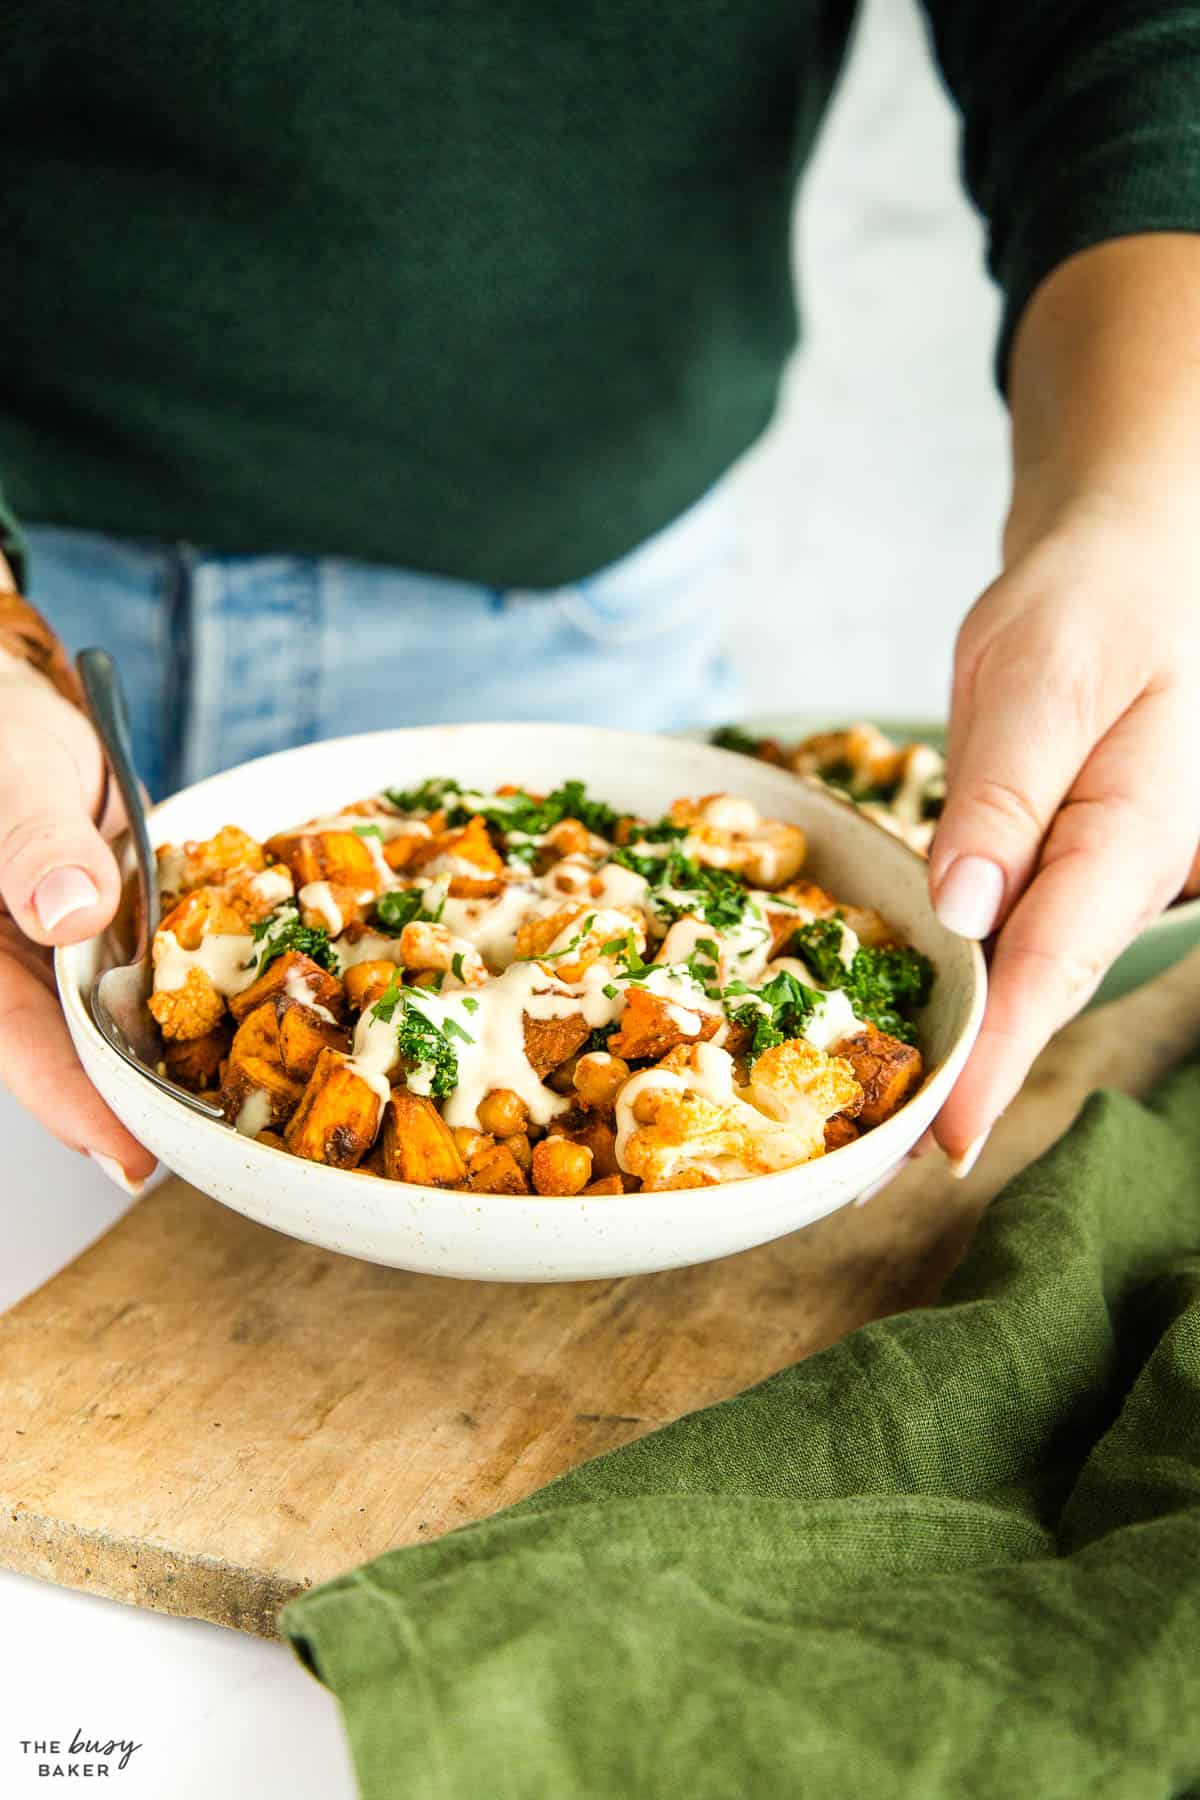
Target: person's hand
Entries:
(58, 884)
(1073, 807)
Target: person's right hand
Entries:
(58, 884)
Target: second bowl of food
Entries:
(895, 770)
(535, 1003)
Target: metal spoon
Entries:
(119, 995)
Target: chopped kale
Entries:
(780, 1010)
(398, 907)
(887, 987)
(419, 1041)
(598, 1039)
(517, 812)
(284, 930)
(680, 886)
(732, 737)
(820, 944)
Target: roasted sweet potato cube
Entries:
(201, 913)
(417, 1143)
(334, 856)
(195, 1063)
(303, 1034)
(467, 855)
(497, 1171)
(338, 1116)
(549, 1042)
(840, 1129)
(257, 1091)
(596, 1133)
(652, 1025)
(607, 1184)
(297, 976)
(888, 1072)
(190, 1011)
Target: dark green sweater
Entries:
(491, 287)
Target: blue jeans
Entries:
(230, 657)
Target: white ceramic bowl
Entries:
(491, 1237)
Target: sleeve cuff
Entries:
(1146, 180)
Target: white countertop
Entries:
(876, 498)
(216, 1713)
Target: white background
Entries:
(876, 500)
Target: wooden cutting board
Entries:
(204, 1417)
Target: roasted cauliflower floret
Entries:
(199, 862)
(729, 833)
(801, 1087)
(190, 1011)
(431, 947)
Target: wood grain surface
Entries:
(202, 1416)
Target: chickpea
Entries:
(560, 1167)
(598, 1075)
(365, 982)
(471, 1143)
(502, 1112)
(521, 1149)
(645, 1107)
(562, 1079)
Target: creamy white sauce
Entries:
(298, 986)
(923, 766)
(228, 958)
(492, 925)
(254, 1114)
(317, 896)
(833, 1019)
(374, 1056)
(372, 946)
(273, 886)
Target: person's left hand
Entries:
(1073, 804)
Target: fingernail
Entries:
(112, 1168)
(61, 892)
(961, 1166)
(968, 901)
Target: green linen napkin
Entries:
(958, 1554)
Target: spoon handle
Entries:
(109, 713)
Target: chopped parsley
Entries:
(470, 1005)
(456, 965)
(366, 831)
(626, 948)
(887, 987)
(283, 930)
